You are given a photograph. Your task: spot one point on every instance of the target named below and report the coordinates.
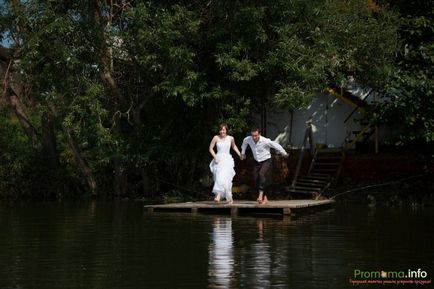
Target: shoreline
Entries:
(415, 190)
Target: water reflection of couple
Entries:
(222, 165)
(253, 269)
(221, 254)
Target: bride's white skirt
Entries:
(223, 172)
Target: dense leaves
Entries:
(123, 97)
(412, 87)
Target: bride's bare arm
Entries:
(234, 147)
(211, 148)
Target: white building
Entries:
(338, 117)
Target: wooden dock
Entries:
(284, 207)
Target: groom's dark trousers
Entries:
(261, 169)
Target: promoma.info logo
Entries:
(409, 276)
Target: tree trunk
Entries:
(81, 162)
(25, 123)
(105, 64)
(144, 175)
(49, 146)
(44, 145)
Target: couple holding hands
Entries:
(222, 165)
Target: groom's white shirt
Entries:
(261, 149)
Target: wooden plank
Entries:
(326, 158)
(326, 164)
(304, 192)
(299, 191)
(308, 188)
(324, 169)
(319, 175)
(316, 170)
(312, 180)
(280, 206)
(301, 186)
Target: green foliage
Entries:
(15, 152)
(22, 173)
(287, 51)
(358, 42)
(159, 40)
(412, 87)
(141, 87)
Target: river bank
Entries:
(390, 179)
(412, 191)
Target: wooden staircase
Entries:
(369, 127)
(323, 173)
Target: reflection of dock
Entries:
(284, 207)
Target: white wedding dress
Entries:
(223, 172)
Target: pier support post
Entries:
(286, 211)
(234, 211)
(150, 210)
(194, 210)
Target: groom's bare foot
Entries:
(260, 197)
(263, 200)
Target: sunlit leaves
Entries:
(412, 87)
(160, 40)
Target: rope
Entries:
(332, 198)
(380, 185)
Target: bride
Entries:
(222, 166)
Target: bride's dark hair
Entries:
(223, 125)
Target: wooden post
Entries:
(150, 210)
(376, 126)
(300, 158)
(194, 210)
(290, 128)
(234, 211)
(297, 169)
(311, 141)
(286, 211)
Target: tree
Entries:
(287, 51)
(123, 97)
(411, 108)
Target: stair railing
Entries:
(308, 136)
(359, 136)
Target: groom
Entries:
(261, 153)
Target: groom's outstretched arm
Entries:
(277, 147)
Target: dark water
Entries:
(118, 245)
